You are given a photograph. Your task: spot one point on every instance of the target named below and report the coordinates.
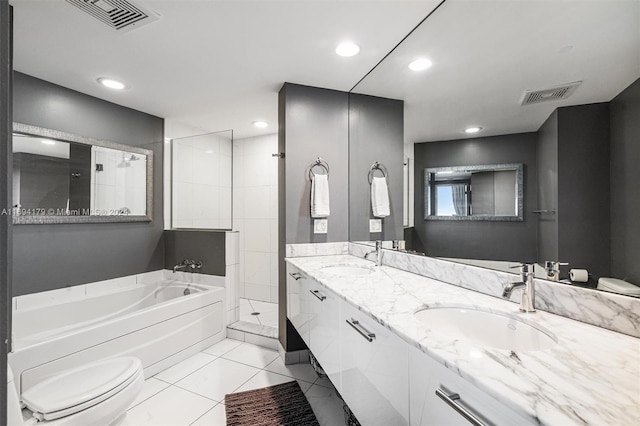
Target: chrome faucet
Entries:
(527, 286)
(192, 265)
(377, 251)
(553, 269)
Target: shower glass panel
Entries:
(202, 181)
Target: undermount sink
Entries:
(350, 270)
(486, 329)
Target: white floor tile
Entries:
(151, 387)
(326, 405)
(218, 378)
(267, 378)
(214, 417)
(253, 319)
(263, 307)
(252, 355)
(222, 347)
(299, 371)
(269, 318)
(263, 341)
(184, 368)
(172, 407)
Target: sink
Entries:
(349, 270)
(486, 329)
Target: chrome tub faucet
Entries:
(189, 265)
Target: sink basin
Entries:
(350, 270)
(486, 329)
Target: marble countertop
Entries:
(591, 376)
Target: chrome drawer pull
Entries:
(360, 329)
(451, 400)
(317, 294)
(296, 276)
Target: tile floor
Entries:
(192, 392)
(268, 312)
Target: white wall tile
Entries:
(257, 267)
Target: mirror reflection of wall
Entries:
(201, 181)
(497, 76)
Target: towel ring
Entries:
(318, 162)
(381, 168)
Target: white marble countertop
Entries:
(591, 376)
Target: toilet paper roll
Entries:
(579, 275)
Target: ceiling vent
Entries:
(552, 94)
(121, 15)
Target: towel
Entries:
(380, 197)
(320, 196)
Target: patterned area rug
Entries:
(279, 405)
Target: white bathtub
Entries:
(156, 322)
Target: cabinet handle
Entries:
(451, 400)
(317, 294)
(296, 276)
(360, 329)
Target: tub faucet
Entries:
(378, 253)
(190, 265)
(527, 286)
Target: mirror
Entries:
(533, 83)
(64, 178)
(483, 192)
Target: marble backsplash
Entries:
(602, 309)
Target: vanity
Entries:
(402, 348)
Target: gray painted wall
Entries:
(47, 257)
(199, 245)
(376, 133)
(515, 241)
(625, 176)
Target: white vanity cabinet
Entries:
(298, 301)
(428, 408)
(374, 370)
(324, 310)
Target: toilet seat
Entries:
(81, 388)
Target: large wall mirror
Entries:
(60, 177)
(549, 85)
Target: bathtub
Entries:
(161, 323)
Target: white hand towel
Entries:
(380, 197)
(320, 196)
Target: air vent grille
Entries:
(550, 94)
(121, 15)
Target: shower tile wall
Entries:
(255, 215)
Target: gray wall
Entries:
(376, 128)
(6, 71)
(515, 241)
(625, 177)
(313, 123)
(47, 257)
(199, 245)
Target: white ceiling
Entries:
(210, 64)
(486, 53)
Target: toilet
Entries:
(615, 285)
(97, 393)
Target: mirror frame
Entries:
(518, 167)
(30, 130)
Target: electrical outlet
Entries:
(375, 225)
(320, 226)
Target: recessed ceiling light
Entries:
(48, 142)
(420, 64)
(260, 124)
(111, 83)
(347, 49)
(209, 151)
(474, 129)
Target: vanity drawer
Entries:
(298, 301)
(324, 325)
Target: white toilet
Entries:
(97, 393)
(615, 285)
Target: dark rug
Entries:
(279, 405)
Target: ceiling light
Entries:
(260, 124)
(347, 49)
(111, 84)
(420, 64)
(48, 142)
(474, 129)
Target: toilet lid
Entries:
(79, 388)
